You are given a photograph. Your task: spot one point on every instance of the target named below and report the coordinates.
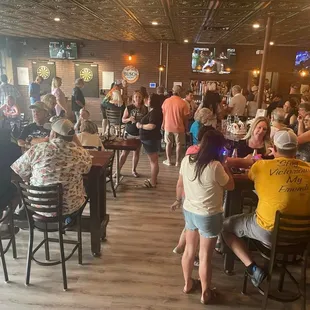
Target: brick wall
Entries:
(113, 56)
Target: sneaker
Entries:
(167, 162)
(258, 276)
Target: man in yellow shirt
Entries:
(281, 184)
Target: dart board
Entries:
(44, 72)
(86, 74)
(46, 69)
(89, 73)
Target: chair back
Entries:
(114, 118)
(93, 148)
(46, 199)
(292, 230)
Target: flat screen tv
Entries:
(213, 60)
(63, 50)
(302, 60)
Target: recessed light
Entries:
(154, 23)
(271, 43)
(185, 41)
(256, 25)
(57, 19)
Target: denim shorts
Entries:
(151, 146)
(208, 226)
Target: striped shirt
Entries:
(6, 90)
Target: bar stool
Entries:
(290, 246)
(114, 117)
(49, 199)
(12, 241)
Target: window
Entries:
(2, 63)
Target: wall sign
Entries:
(45, 69)
(23, 76)
(89, 73)
(152, 85)
(130, 74)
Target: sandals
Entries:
(147, 184)
(135, 174)
(196, 284)
(210, 298)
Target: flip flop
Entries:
(135, 174)
(195, 285)
(147, 184)
(211, 297)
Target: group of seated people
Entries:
(204, 175)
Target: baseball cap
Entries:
(63, 127)
(176, 89)
(285, 140)
(39, 105)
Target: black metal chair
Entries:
(49, 199)
(290, 246)
(109, 174)
(114, 118)
(11, 240)
(92, 148)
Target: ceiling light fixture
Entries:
(185, 41)
(154, 23)
(256, 25)
(271, 43)
(161, 68)
(57, 19)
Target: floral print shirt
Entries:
(57, 161)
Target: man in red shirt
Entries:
(175, 119)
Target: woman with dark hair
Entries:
(150, 136)
(203, 178)
(211, 101)
(290, 109)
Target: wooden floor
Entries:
(137, 269)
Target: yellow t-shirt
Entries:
(281, 184)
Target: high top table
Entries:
(120, 144)
(98, 220)
(233, 206)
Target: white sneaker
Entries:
(167, 162)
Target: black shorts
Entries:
(151, 146)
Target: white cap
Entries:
(285, 140)
(63, 127)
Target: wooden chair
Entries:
(11, 241)
(49, 199)
(114, 118)
(290, 244)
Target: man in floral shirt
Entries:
(61, 160)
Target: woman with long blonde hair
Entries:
(257, 138)
(61, 106)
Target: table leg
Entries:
(104, 217)
(233, 205)
(118, 171)
(94, 195)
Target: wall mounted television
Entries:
(302, 60)
(213, 60)
(63, 50)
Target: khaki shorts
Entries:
(178, 138)
(245, 225)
